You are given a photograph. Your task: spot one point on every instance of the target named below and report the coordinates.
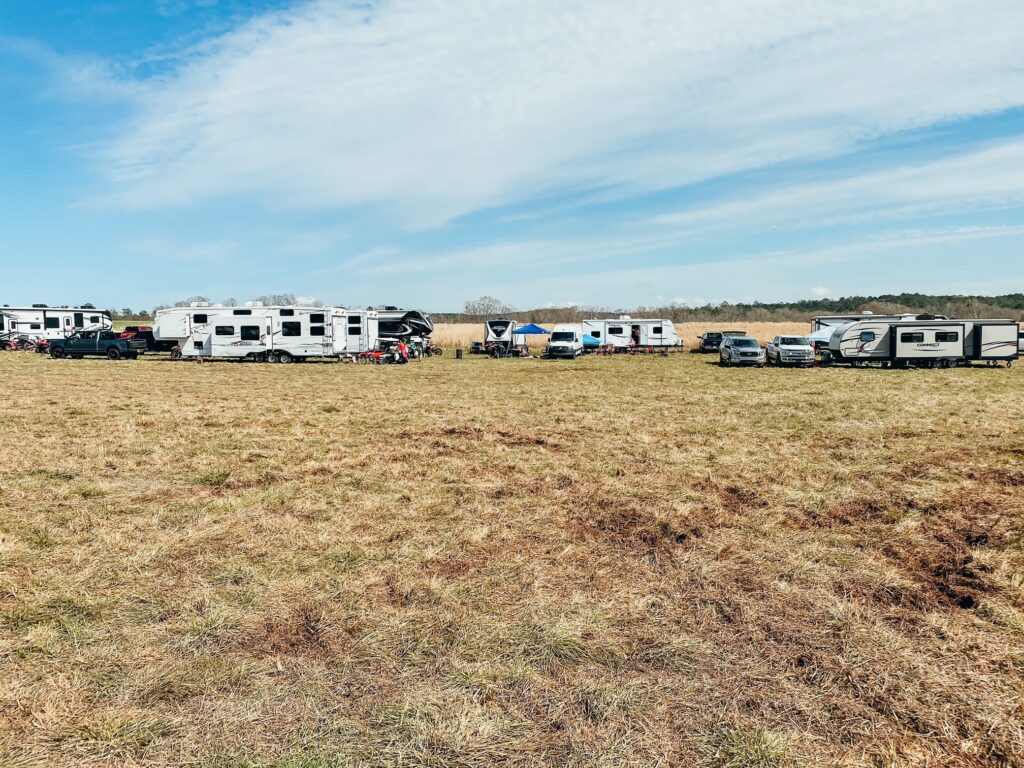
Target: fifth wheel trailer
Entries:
(42, 322)
(924, 343)
(282, 334)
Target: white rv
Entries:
(924, 343)
(280, 334)
(42, 322)
(627, 332)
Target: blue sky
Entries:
(426, 152)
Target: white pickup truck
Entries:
(790, 350)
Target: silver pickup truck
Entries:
(790, 350)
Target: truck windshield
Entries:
(795, 341)
(745, 343)
(563, 336)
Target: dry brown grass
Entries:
(612, 561)
(451, 335)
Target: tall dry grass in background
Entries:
(451, 335)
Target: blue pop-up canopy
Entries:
(590, 341)
(529, 330)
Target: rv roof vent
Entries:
(624, 317)
(867, 312)
(392, 309)
(254, 303)
(38, 306)
(925, 317)
(199, 304)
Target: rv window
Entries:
(912, 338)
(52, 322)
(1, 322)
(79, 320)
(316, 330)
(596, 334)
(34, 327)
(250, 333)
(317, 317)
(615, 330)
(200, 318)
(867, 336)
(241, 312)
(656, 330)
(197, 345)
(355, 320)
(224, 330)
(947, 336)
(291, 329)
(287, 313)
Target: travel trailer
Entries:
(43, 322)
(280, 334)
(498, 337)
(627, 332)
(926, 343)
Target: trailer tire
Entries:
(271, 357)
(113, 353)
(58, 353)
(284, 357)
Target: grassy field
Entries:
(611, 561)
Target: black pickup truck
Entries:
(106, 344)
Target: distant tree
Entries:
(114, 314)
(87, 305)
(487, 305)
(232, 302)
(144, 315)
(127, 313)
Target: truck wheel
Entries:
(58, 353)
(113, 354)
(284, 357)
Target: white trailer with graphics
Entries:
(43, 322)
(281, 334)
(924, 343)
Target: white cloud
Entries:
(990, 177)
(820, 291)
(438, 108)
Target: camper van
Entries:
(566, 341)
(932, 343)
(280, 334)
(42, 322)
(626, 333)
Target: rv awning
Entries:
(529, 330)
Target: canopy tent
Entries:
(529, 330)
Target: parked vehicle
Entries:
(740, 350)
(711, 341)
(97, 343)
(834, 321)
(42, 322)
(925, 343)
(627, 333)
(790, 350)
(566, 341)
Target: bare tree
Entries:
(487, 305)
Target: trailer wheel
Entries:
(58, 353)
(284, 357)
(113, 353)
(271, 357)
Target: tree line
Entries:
(1009, 305)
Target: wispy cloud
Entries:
(438, 108)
